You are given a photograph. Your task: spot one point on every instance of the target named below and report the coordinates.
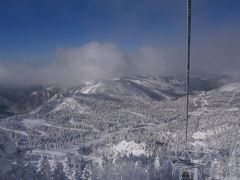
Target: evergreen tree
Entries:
(44, 169)
(68, 166)
(58, 173)
(87, 173)
(157, 164)
(76, 174)
(29, 171)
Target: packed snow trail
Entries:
(38, 122)
(15, 131)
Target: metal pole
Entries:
(189, 12)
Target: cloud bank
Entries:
(92, 61)
(214, 52)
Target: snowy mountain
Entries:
(16, 100)
(124, 124)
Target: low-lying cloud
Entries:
(215, 53)
(92, 61)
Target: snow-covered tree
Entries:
(76, 174)
(29, 171)
(87, 172)
(12, 162)
(68, 166)
(215, 169)
(44, 169)
(58, 173)
(157, 163)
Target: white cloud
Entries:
(92, 61)
(215, 53)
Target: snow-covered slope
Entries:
(140, 117)
(69, 104)
(143, 87)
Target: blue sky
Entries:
(70, 41)
(33, 29)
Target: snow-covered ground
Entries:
(91, 88)
(230, 87)
(34, 122)
(129, 148)
(14, 131)
(69, 104)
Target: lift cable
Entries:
(230, 100)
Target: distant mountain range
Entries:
(18, 100)
(124, 117)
